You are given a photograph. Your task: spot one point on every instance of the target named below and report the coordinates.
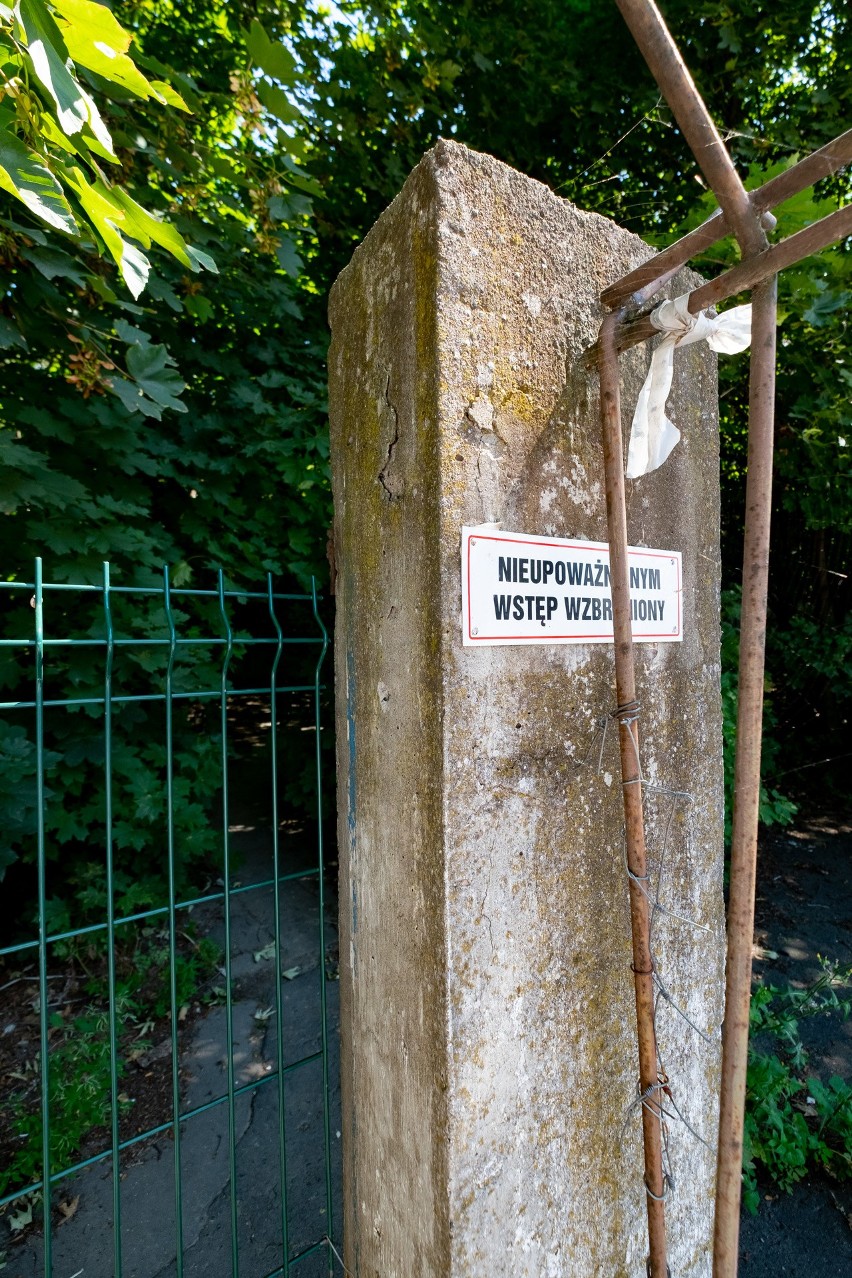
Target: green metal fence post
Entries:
(226, 874)
(276, 896)
(44, 1013)
(110, 893)
(173, 999)
(320, 863)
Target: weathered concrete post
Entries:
(489, 1060)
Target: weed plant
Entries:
(794, 1123)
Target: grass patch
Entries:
(80, 1059)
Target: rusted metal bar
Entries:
(741, 214)
(677, 86)
(746, 778)
(627, 714)
(642, 283)
(745, 275)
(819, 164)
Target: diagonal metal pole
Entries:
(669, 70)
(644, 281)
(747, 274)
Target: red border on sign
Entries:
(568, 545)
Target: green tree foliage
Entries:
(182, 422)
(55, 143)
(558, 89)
(202, 396)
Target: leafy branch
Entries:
(54, 140)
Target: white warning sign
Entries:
(519, 589)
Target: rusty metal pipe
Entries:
(678, 88)
(628, 717)
(640, 285)
(746, 779)
(745, 275)
(758, 271)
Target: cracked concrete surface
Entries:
(390, 480)
(83, 1246)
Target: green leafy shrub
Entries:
(794, 1124)
(57, 60)
(182, 422)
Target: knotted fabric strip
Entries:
(653, 435)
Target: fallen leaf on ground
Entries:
(19, 1220)
(760, 953)
(69, 1208)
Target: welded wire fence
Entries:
(130, 711)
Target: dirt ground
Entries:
(804, 909)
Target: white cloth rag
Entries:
(653, 436)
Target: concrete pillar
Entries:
(489, 1059)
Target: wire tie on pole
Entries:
(648, 1267)
(338, 1256)
(658, 1198)
(641, 971)
(640, 1101)
(628, 712)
